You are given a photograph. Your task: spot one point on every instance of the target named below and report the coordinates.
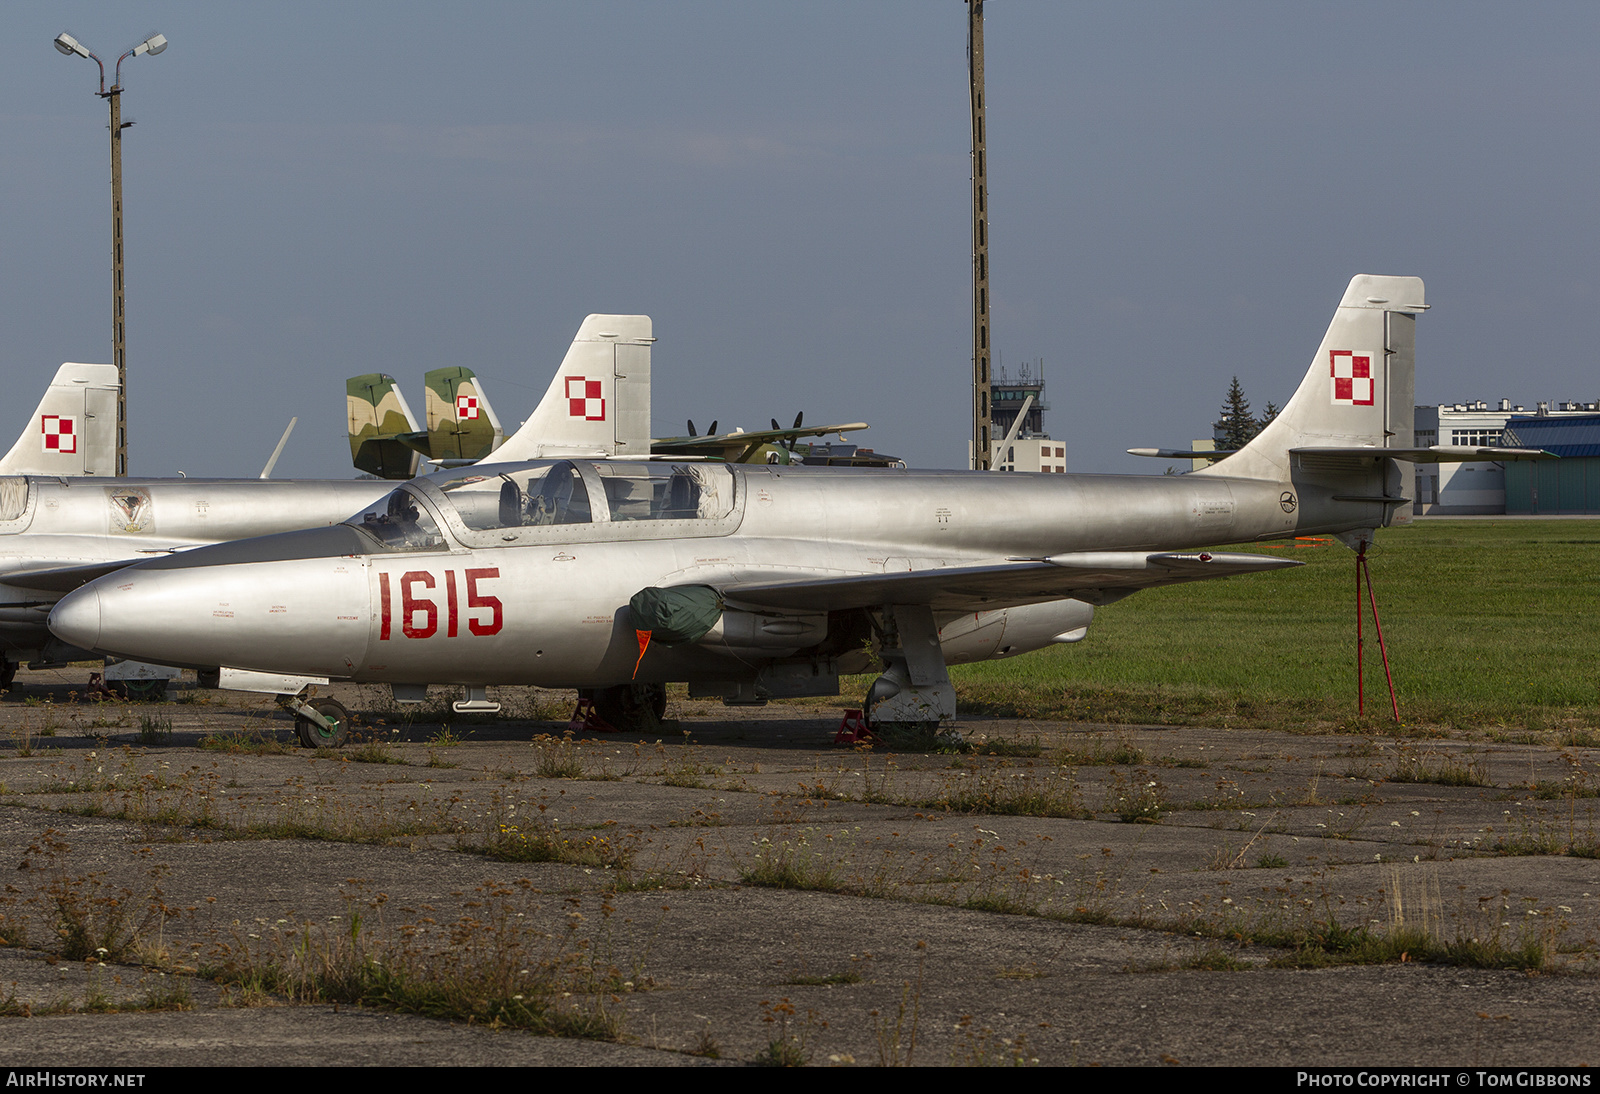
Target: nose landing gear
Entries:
(321, 723)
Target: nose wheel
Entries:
(327, 731)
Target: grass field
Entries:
(1491, 625)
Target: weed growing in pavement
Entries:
(996, 746)
(540, 842)
(495, 964)
(1446, 770)
(985, 1048)
(1547, 838)
(247, 742)
(510, 836)
(557, 757)
(168, 993)
(93, 919)
(791, 1044)
(1214, 958)
(1135, 799)
(1099, 754)
(1003, 789)
(154, 730)
(705, 1046)
(797, 863)
(22, 736)
(371, 752)
(197, 798)
(686, 768)
(1491, 936)
(897, 1036)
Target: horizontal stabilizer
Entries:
(997, 585)
(1439, 453)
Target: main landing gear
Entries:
(914, 695)
(629, 708)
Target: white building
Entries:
(1462, 489)
(1034, 454)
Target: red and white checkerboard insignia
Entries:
(60, 434)
(466, 408)
(584, 399)
(1353, 382)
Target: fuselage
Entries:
(466, 590)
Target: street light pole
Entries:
(152, 45)
(119, 342)
(982, 414)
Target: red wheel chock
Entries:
(586, 720)
(853, 729)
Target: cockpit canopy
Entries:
(512, 498)
(399, 522)
(565, 492)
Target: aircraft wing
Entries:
(1085, 575)
(64, 579)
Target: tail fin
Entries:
(1358, 393)
(378, 417)
(599, 402)
(73, 430)
(461, 423)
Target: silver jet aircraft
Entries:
(751, 581)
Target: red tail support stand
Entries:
(1363, 571)
(852, 729)
(586, 720)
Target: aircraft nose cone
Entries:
(76, 618)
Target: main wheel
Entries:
(326, 734)
(8, 673)
(632, 708)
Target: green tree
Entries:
(1237, 425)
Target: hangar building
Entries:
(1463, 489)
(1568, 485)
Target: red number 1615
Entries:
(419, 613)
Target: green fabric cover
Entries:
(677, 615)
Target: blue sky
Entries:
(1179, 193)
